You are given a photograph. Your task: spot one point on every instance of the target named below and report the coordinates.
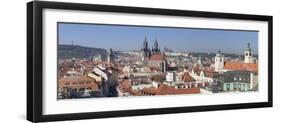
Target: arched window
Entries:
(228, 87)
(242, 87)
(235, 86)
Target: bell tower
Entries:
(219, 61)
(248, 54)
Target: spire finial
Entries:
(145, 44)
(248, 47)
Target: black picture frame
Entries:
(35, 69)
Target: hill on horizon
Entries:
(69, 51)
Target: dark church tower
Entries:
(145, 51)
(155, 48)
(110, 57)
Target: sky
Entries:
(126, 38)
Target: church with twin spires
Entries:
(153, 57)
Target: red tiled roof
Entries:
(187, 78)
(126, 86)
(166, 90)
(187, 91)
(253, 67)
(208, 72)
(78, 81)
(157, 57)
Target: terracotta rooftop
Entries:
(78, 81)
(166, 90)
(125, 86)
(208, 72)
(253, 67)
(158, 57)
(187, 78)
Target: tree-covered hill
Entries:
(69, 51)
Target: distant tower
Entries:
(110, 57)
(199, 61)
(155, 48)
(145, 51)
(219, 61)
(248, 54)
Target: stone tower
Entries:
(110, 57)
(248, 54)
(219, 61)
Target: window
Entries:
(246, 54)
(242, 87)
(235, 86)
(220, 59)
(239, 86)
(228, 87)
(250, 54)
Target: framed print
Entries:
(89, 61)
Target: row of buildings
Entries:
(149, 72)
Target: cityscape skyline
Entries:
(150, 71)
(176, 39)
